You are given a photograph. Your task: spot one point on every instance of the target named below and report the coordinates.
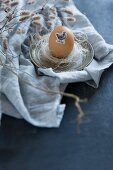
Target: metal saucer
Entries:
(81, 38)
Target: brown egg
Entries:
(61, 42)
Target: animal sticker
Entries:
(61, 37)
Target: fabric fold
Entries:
(27, 94)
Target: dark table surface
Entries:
(24, 147)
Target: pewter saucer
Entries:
(64, 65)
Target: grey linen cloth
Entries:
(20, 100)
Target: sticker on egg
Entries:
(61, 37)
(61, 42)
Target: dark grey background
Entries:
(24, 147)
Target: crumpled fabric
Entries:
(40, 108)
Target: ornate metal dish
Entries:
(61, 65)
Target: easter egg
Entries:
(61, 42)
